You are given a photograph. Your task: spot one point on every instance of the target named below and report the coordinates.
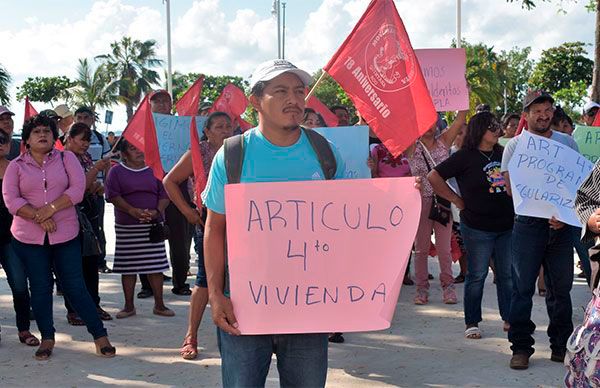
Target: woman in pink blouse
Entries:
(40, 189)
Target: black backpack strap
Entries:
(234, 158)
(324, 152)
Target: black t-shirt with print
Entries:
(483, 189)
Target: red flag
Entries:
(141, 133)
(188, 103)
(197, 163)
(232, 101)
(330, 118)
(243, 124)
(378, 69)
(58, 145)
(596, 122)
(29, 110)
(522, 124)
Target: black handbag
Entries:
(90, 246)
(159, 232)
(440, 207)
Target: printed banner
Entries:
(353, 146)
(588, 141)
(173, 135)
(544, 178)
(444, 71)
(319, 256)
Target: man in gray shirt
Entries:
(538, 242)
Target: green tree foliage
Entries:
(559, 66)
(130, 66)
(518, 68)
(45, 89)
(5, 80)
(211, 88)
(93, 87)
(330, 93)
(572, 97)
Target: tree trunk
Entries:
(596, 78)
(129, 108)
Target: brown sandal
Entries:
(29, 339)
(107, 351)
(189, 349)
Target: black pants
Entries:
(98, 226)
(180, 241)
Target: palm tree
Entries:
(93, 87)
(5, 80)
(130, 64)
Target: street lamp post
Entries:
(283, 35)
(169, 59)
(458, 23)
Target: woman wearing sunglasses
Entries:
(486, 217)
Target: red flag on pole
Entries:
(197, 163)
(141, 133)
(330, 118)
(522, 124)
(232, 101)
(188, 103)
(377, 67)
(243, 124)
(596, 122)
(58, 145)
(29, 110)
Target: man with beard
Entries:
(539, 242)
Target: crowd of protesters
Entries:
(53, 204)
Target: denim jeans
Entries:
(583, 252)
(201, 279)
(17, 280)
(481, 246)
(65, 258)
(534, 244)
(245, 360)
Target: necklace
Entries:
(489, 158)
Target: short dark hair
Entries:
(509, 116)
(478, 125)
(123, 145)
(38, 121)
(336, 107)
(560, 115)
(259, 88)
(213, 116)
(85, 109)
(483, 108)
(110, 133)
(81, 128)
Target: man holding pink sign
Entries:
(277, 292)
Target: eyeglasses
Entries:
(4, 138)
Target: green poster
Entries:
(588, 141)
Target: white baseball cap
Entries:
(268, 70)
(589, 106)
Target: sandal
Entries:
(107, 351)
(29, 339)
(459, 279)
(103, 315)
(125, 314)
(166, 312)
(189, 349)
(44, 354)
(184, 291)
(473, 333)
(74, 320)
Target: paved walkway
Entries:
(424, 347)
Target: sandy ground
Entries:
(424, 347)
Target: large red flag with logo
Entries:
(378, 69)
(232, 101)
(188, 103)
(197, 163)
(141, 133)
(330, 118)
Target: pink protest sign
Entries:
(444, 71)
(319, 256)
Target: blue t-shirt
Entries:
(266, 162)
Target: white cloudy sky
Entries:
(45, 38)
